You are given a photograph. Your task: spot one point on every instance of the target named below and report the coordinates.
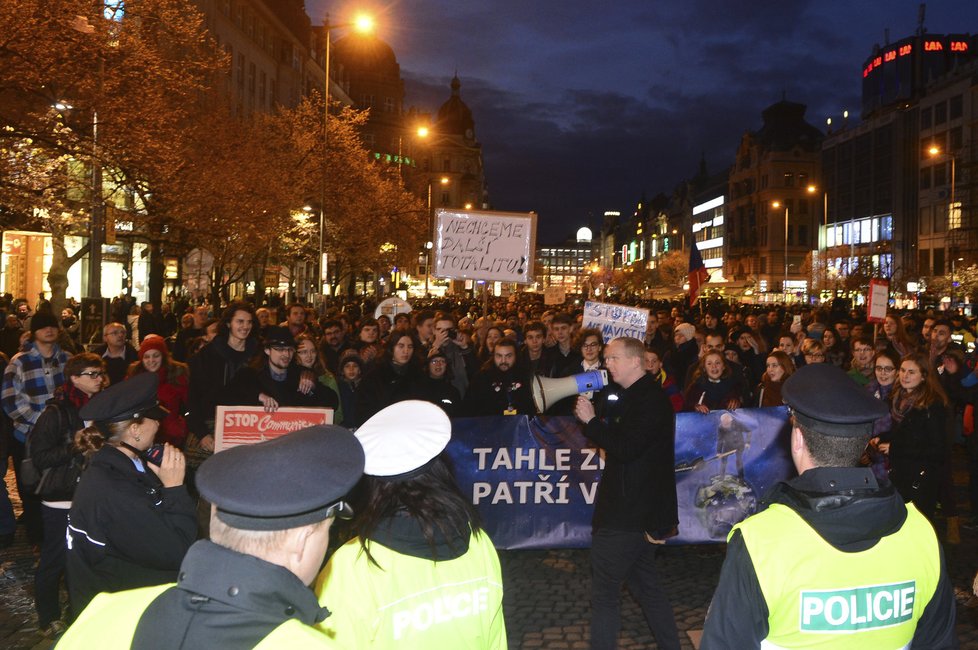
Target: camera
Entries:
(452, 333)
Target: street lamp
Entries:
(363, 24)
(429, 245)
(784, 287)
(682, 240)
(953, 214)
(96, 223)
(824, 243)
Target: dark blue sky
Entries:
(583, 106)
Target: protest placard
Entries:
(615, 321)
(879, 296)
(554, 296)
(246, 425)
(494, 246)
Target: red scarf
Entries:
(77, 397)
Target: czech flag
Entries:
(698, 275)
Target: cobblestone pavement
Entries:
(547, 592)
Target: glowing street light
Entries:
(444, 180)
(953, 213)
(784, 288)
(364, 24)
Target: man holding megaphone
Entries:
(636, 508)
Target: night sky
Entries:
(582, 107)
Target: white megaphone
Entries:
(547, 392)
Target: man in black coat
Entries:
(276, 382)
(116, 352)
(501, 388)
(636, 507)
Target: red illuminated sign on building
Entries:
(906, 49)
(890, 56)
(933, 46)
(959, 46)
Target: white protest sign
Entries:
(879, 295)
(616, 321)
(554, 296)
(392, 307)
(495, 246)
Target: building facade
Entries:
(891, 213)
(770, 212)
(567, 265)
(947, 115)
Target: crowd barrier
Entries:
(534, 479)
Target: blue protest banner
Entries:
(725, 462)
(534, 479)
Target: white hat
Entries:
(687, 330)
(403, 438)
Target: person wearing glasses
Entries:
(117, 352)
(813, 350)
(589, 345)
(418, 547)
(917, 444)
(885, 365)
(51, 447)
(861, 366)
(248, 585)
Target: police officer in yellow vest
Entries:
(247, 587)
(835, 560)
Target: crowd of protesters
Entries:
(470, 359)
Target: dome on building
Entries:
(584, 234)
(366, 52)
(454, 117)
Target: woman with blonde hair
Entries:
(917, 445)
(813, 351)
(131, 519)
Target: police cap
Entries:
(288, 482)
(825, 399)
(402, 440)
(127, 400)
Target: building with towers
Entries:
(452, 151)
(437, 155)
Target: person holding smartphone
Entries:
(131, 520)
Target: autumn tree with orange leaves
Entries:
(84, 86)
(177, 158)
